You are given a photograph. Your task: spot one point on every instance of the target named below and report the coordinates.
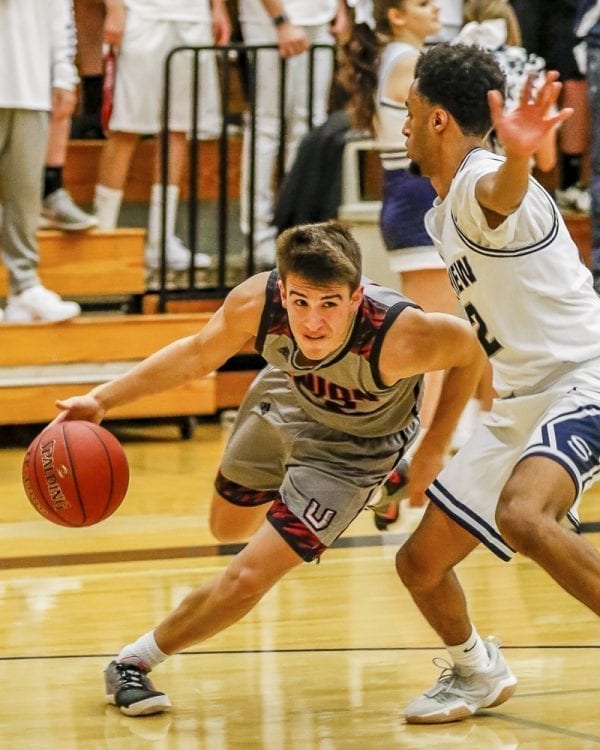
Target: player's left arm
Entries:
(421, 342)
(521, 133)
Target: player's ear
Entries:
(439, 119)
(356, 297)
(282, 292)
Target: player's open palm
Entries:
(521, 130)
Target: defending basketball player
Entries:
(518, 274)
(316, 435)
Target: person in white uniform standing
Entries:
(145, 31)
(292, 25)
(36, 57)
(518, 274)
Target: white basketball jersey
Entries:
(523, 285)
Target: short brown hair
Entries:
(324, 253)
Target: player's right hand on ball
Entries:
(81, 407)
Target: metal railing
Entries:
(227, 57)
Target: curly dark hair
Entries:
(458, 77)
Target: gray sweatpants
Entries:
(23, 142)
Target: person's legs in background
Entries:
(547, 31)
(267, 111)
(266, 79)
(89, 19)
(208, 125)
(573, 135)
(58, 209)
(113, 170)
(23, 140)
(298, 89)
(146, 41)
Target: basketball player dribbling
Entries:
(316, 435)
(518, 274)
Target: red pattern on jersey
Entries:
(371, 315)
(279, 324)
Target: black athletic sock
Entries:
(91, 94)
(52, 180)
(570, 170)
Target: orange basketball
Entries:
(75, 473)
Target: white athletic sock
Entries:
(471, 655)
(145, 649)
(107, 204)
(155, 210)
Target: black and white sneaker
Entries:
(128, 687)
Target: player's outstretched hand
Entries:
(521, 130)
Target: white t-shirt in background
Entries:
(37, 48)
(300, 12)
(171, 10)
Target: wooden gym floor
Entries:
(326, 661)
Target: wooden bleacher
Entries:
(42, 362)
(90, 263)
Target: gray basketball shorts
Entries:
(561, 423)
(324, 477)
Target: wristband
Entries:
(280, 20)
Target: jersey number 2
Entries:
(489, 343)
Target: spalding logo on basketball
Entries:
(75, 473)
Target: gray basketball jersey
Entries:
(522, 285)
(344, 391)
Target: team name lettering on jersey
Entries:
(334, 397)
(461, 275)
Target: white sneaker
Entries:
(201, 260)
(59, 212)
(575, 198)
(1, 315)
(459, 694)
(39, 303)
(583, 202)
(178, 256)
